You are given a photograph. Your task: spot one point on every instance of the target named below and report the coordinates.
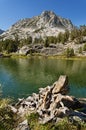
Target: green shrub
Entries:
(64, 124)
(8, 119)
(46, 42)
(84, 47)
(80, 50)
(70, 52)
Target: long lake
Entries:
(20, 77)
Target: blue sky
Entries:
(13, 10)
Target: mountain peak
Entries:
(44, 13)
(53, 20)
(46, 24)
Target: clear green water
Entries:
(21, 77)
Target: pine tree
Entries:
(80, 50)
(84, 47)
(46, 43)
(70, 52)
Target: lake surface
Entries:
(20, 77)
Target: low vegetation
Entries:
(65, 124)
(8, 120)
(69, 52)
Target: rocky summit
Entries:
(52, 103)
(46, 24)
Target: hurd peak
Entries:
(44, 13)
(46, 24)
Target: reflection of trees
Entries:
(30, 74)
(0, 90)
(46, 70)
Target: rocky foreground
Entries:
(52, 104)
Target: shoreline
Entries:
(37, 55)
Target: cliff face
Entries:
(46, 24)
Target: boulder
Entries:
(23, 126)
(61, 86)
(13, 109)
(24, 50)
(71, 102)
(77, 116)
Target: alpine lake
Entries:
(20, 77)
